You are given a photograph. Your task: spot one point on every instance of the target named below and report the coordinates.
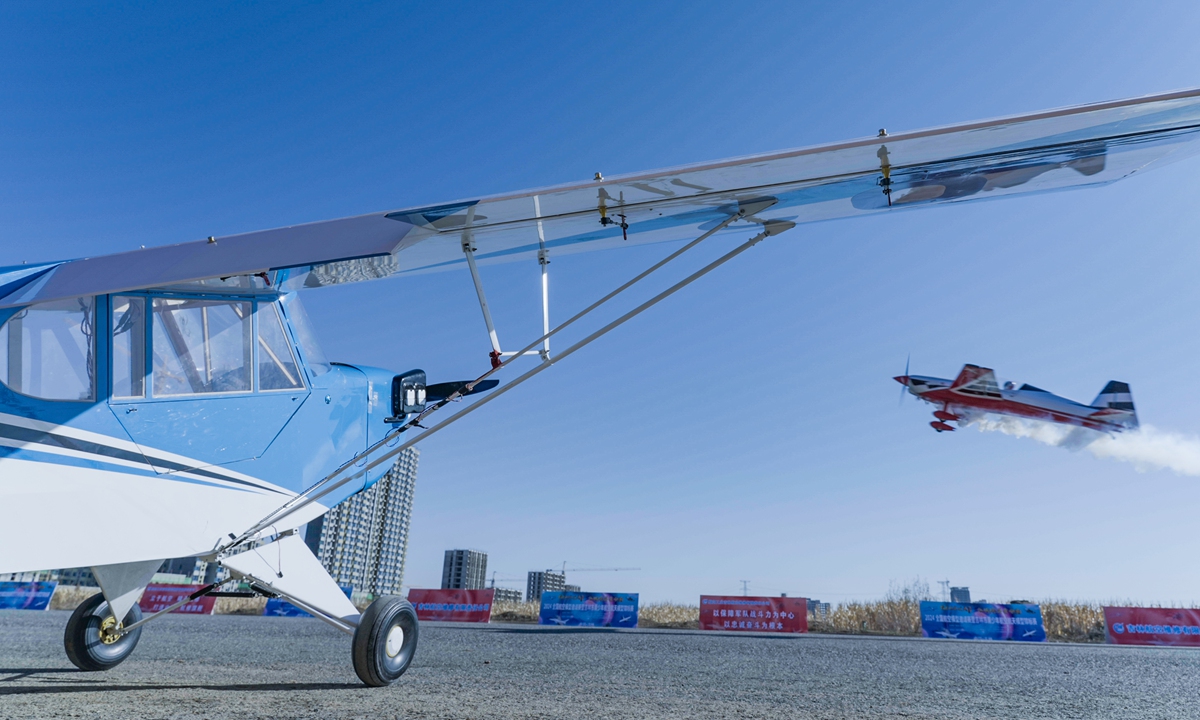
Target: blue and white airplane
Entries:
(173, 401)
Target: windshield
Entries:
(314, 356)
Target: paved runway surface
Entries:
(236, 667)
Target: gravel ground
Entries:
(237, 667)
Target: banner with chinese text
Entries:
(158, 597)
(278, 607)
(26, 595)
(754, 614)
(1152, 626)
(453, 605)
(982, 621)
(588, 609)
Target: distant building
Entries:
(464, 570)
(571, 588)
(541, 581)
(506, 595)
(190, 569)
(33, 576)
(363, 540)
(818, 609)
(960, 594)
(77, 577)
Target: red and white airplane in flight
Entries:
(975, 392)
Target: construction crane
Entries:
(566, 569)
(507, 578)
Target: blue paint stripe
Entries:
(54, 459)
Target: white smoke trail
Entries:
(1147, 448)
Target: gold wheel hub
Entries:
(109, 630)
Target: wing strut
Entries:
(544, 261)
(350, 471)
(468, 247)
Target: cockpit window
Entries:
(314, 356)
(48, 350)
(276, 365)
(201, 346)
(128, 346)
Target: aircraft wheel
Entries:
(89, 640)
(385, 641)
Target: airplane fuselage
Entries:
(961, 403)
(154, 424)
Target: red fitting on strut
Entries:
(495, 356)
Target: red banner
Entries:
(158, 597)
(453, 605)
(753, 614)
(1152, 626)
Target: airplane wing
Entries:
(976, 378)
(1052, 150)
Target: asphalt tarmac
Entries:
(228, 666)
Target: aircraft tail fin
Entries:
(1117, 397)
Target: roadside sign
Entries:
(1152, 626)
(982, 621)
(753, 614)
(26, 595)
(588, 609)
(159, 596)
(279, 607)
(453, 605)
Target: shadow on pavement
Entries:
(100, 687)
(22, 673)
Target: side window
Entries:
(48, 350)
(128, 347)
(276, 364)
(201, 346)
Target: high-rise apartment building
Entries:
(464, 570)
(540, 581)
(506, 595)
(362, 541)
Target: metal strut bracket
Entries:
(468, 246)
(348, 470)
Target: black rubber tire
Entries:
(373, 663)
(82, 637)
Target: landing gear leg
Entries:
(91, 637)
(385, 641)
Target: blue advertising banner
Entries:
(283, 608)
(982, 621)
(26, 595)
(585, 609)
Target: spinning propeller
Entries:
(904, 381)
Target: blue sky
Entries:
(140, 124)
